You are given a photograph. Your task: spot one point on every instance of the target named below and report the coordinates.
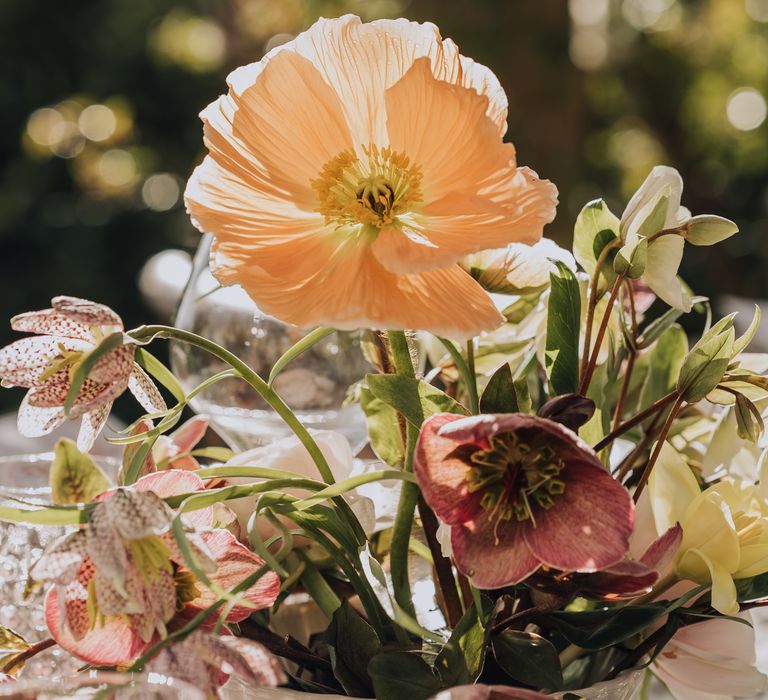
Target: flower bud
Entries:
(708, 229)
(631, 258)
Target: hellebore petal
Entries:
(589, 528)
(492, 557)
(519, 491)
(443, 476)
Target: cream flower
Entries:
(713, 660)
(655, 208)
(65, 336)
(352, 168)
(725, 529)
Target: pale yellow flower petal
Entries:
(723, 587)
(671, 487)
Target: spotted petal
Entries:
(235, 562)
(110, 644)
(22, 362)
(36, 421)
(145, 391)
(85, 312)
(91, 426)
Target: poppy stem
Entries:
(409, 495)
(474, 401)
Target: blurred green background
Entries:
(99, 102)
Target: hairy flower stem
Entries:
(590, 369)
(18, 660)
(592, 303)
(657, 449)
(409, 495)
(636, 420)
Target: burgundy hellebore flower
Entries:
(519, 492)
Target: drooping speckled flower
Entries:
(206, 660)
(64, 337)
(121, 582)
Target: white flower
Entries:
(713, 660)
(655, 208)
(290, 455)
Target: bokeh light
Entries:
(746, 109)
(161, 191)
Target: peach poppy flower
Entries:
(352, 168)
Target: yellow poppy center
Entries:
(373, 189)
(515, 477)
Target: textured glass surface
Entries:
(314, 385)
(21, 603)
(152, 686)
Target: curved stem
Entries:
(465, 373)
(636, 420)
(659, 445)
(148, 333)
(587, 378)
(24, 656)
(592, 302)
(409, 495)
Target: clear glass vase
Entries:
(314, 385)
(26, 478)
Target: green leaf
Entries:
(528, 658)
(292, 353)
(664, 363)
(460, 661)
(159, 371)
(600, 629)
(655, 218)
(631, 258)
(413, 398)
(753, 589)
(11, 644)
(742, 341)
(563, 325)
(595, 228)
(499, 395)
(74, 476)
(352, 643)
(54, 516)
(383, 429)
(707, 362)
(749, 422)
(398, 675)
(110, 343)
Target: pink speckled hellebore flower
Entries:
(121, 582)
(45, 363)
(519, 492)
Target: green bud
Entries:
(708, 229)
(630, 260)
(707, 362)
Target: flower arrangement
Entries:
(586, 492)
